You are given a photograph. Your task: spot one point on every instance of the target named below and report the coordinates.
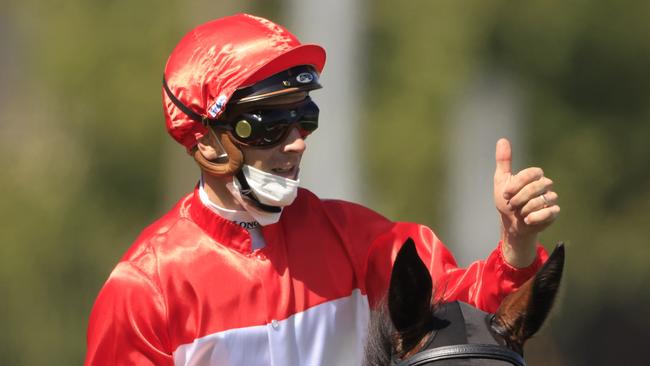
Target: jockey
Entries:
(250, 269)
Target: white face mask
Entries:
(270, 189)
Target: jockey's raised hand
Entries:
(527, 205)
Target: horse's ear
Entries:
(523, 312)
(409, 294)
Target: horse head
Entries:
(412, 329)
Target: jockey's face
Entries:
(284, 158)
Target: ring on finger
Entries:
(546, 201)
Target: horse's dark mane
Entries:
(378, 349)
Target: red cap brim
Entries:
(305, 54)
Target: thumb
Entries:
(503, 157)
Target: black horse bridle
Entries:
(462, 334)
(464, 351)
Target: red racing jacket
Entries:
(190, 291)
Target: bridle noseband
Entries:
(464, 351)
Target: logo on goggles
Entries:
(305, 78)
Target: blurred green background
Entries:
(85, 167)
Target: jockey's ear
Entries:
(523, 312)
(409, 294)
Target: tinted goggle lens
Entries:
(267, 127)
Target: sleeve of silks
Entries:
(483, 283)
(127, 323)
(375, 241)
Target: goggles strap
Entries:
(247, 192)
(205, 120)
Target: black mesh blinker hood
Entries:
(463, 339)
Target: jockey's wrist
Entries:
(519, 252)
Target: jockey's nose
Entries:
(294, 142)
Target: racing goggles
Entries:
(267, 126)
(256, 123)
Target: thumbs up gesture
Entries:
(527, 205)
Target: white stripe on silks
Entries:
(332, 333)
